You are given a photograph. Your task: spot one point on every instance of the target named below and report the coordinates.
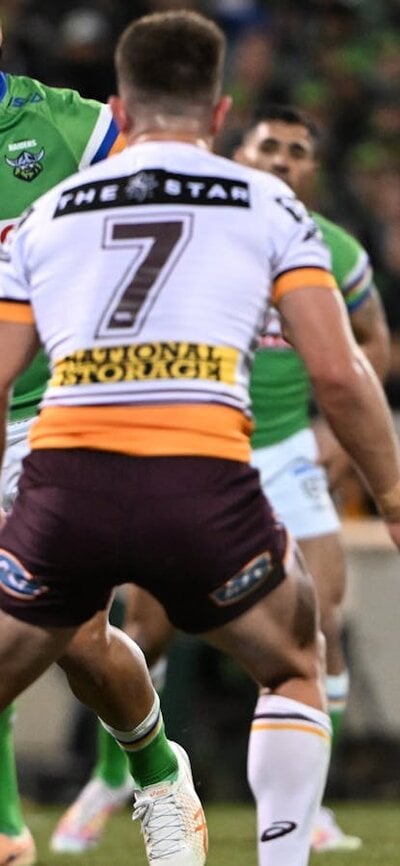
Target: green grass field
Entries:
(232, 843)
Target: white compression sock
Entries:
(158, 673)
(337, 691)
(288, 760)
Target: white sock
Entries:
(337, 691)
(138, 738)
(288, 760)
(158, 673)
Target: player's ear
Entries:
(220, 112)
(120, 114)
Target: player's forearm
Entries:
(372, 333)
(358, 413)
(377, 350)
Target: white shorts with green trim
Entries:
(297, 486)
(17, 447)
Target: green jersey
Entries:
(280, 388)
(46, 134)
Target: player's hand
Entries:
(332, 456)
(2, 517)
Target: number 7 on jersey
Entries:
(157, 244)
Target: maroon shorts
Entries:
(187, 529)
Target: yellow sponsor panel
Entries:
(147, 361)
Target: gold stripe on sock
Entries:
(278, 726)
(137, 745)
(337, 704)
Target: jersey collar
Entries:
(3, 86)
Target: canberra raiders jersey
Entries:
(149, 279)
(46, 134)
(280, 387)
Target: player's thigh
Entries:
(325, 559)
(147, 623)
(277, 638)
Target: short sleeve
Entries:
(359, 282)
(88, 126)
(300, 257)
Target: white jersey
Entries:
(149, 277)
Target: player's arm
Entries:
(348, 391)
(19, 343)
(368, 322)
(370, 329)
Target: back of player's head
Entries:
(172, 59)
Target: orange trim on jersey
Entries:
(118, 146)
(197, 430)
(279, 726)
(299, 278)
(16, 312)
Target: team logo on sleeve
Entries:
(28, 165)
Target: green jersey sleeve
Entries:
(350, 263)
(87, 125)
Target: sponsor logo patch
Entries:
(147, 361)
(16, 581)
(253, 575)
(154, 186)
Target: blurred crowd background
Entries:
(339, 60)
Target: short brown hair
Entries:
(173, 58)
